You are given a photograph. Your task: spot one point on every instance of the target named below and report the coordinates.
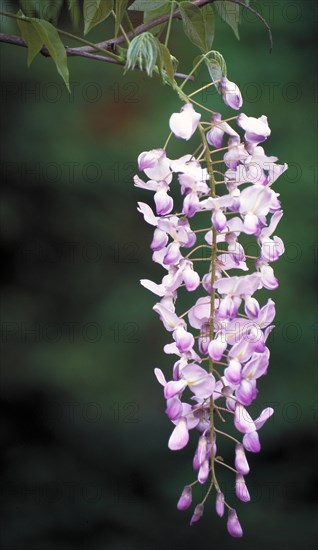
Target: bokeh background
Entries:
(85, 460)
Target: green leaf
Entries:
(95, 11)
(45, 9)
(121, 6)
(153, 14)
(208, 19)
(74, 9)
(147, 5)
(166, 62)
(29, 7)
(50, 37)
(230, 13)
(196, 28)
(31, 37)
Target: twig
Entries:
(70, 52)
(110, 44)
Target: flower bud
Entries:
(233, 525)
(241, 489)
(219, 504)
(186, 498)
(198, 513)
(231, 94)
(204, 472)
(241, 463)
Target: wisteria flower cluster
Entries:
(220, 342)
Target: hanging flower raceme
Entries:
(220, 342)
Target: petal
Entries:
(214, 137)
(269, 280)
(149, 185)
(147, 213)
(251, 442)
(204, 387)
(233, 372)
(184, 340)
(233, 525)
(198, 512)
(246, 392)
(160, 377)
(251, 224)
(203, 473)
(153, 287)
(186, 498)
(241, 489)
(160, 240)
(191, 279)
(219, 504)
(263, 417)
(219, 220)
(241, 464)
(173, 388)
(184, 124)
(243, 421)
(174, 408)
(163, 202)
(217, 347)
(170, 320)
(231, 93)
(180, 436)
(173, 255)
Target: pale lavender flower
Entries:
(231, 93)
(184, 124)
(256, 129)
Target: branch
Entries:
(110, 44)
(70, 52)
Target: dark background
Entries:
(85, 461)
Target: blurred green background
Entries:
(85, 462)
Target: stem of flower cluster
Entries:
(209, 163)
